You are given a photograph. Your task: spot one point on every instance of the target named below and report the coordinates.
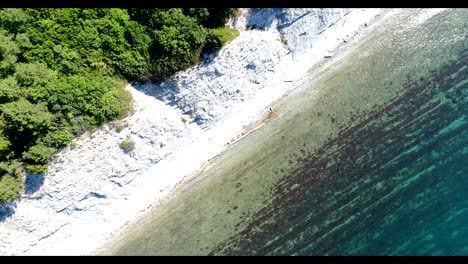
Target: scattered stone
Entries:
(328, 54)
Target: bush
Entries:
(119, 126)
(116, 103)
(4, 147)
(24, 117)
(9, 90)
(23, 123)
(38, 154)
(93, 97)
(33, 74)
(283, 40)
(218, 37)
(37, 168)
(177, 45)
(14, 19)
(8, 51)
(12, 167)
(57, 138)
(10, 188)
(11, 179)
(127, 145)
(132, 65)
(37, 158)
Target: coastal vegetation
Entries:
(127, 145)
(63, 72)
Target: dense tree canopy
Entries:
(63, 72)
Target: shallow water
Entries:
(371, 159)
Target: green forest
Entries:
(63, 72)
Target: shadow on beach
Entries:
(6, 210)
(33, 183)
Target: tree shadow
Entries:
(6, 210)
(162, 91)
(33, 183)
(208, 55)
(262, 18)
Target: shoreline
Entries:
(142, 187)
(264, 117)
